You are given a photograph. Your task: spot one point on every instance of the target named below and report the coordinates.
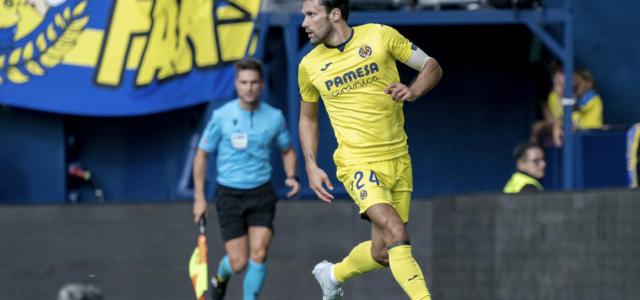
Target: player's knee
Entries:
(398, 234)
(238, 263)
(259, 255)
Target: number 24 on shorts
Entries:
(357, 177)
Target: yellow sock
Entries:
(407, 272)
(358, 262)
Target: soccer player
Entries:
(244, 131)
(354, 70)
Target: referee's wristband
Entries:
(294, 177)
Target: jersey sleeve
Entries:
(211, 135)
(399, 46)
(284, 138)
(308, 92)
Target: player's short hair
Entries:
(343, 5)
(585, 74)
(520, 151)
(249, 64)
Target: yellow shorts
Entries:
(389, 181)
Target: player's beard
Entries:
(324, 33)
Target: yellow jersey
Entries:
(589, 115)
(351, 79)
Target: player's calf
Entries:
(254, 280)
(407, 272)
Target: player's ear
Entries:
(335, 15)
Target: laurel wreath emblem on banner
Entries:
(47, 49)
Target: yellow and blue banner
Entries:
(633, 138)
(121, 57)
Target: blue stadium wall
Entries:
(460, 135)
(607, 42)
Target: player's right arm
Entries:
(309, 139)
(309, 134)
(208, 142)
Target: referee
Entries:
(243, 131)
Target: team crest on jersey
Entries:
(363, 194)
(365, 51)
(36, 34)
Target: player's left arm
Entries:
(427, 79)
(406, 52)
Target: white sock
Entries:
(334, 280)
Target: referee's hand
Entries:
(200, 209)
(316, 178)
(294, 185)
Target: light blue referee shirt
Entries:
(244, 140)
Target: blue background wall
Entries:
(607, 41)
(461, 134)
(32, 156)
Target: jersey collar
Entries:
(586, 98)
(341, 46)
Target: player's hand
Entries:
(316, 178)
(200, 208)
(401, 93)
(294, 185)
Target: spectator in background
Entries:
(588, 113)
(530, 167)
(552, 109)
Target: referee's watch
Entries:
(294, 177)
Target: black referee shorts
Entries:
(239, 209)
